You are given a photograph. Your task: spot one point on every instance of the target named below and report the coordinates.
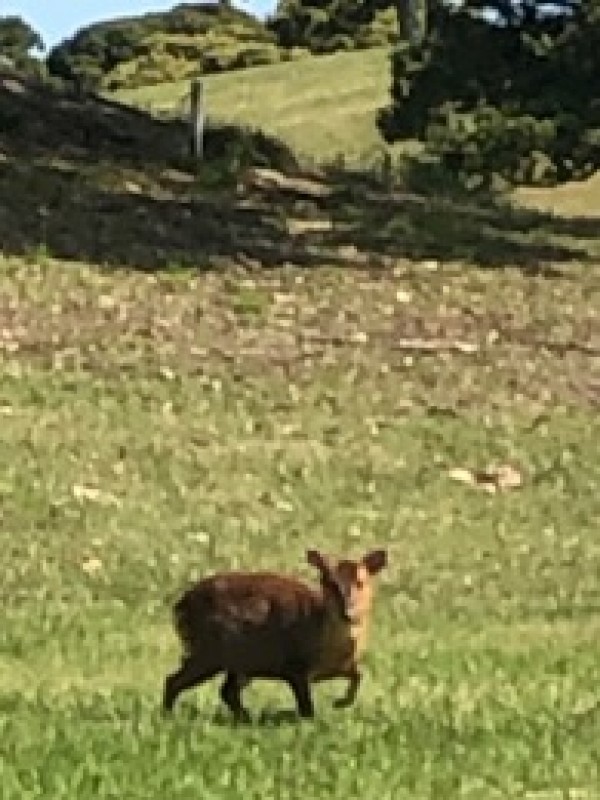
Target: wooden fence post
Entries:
(196, 119)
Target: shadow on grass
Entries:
(267, 718)
(92, 181)
(222, 718)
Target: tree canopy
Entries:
(324, 27)
(162, 46)
(508, 88)
(17, 41)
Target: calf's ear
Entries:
(317, 559)
(375, 561)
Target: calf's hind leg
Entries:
(191, 673)
(300, 686)
(231, 695)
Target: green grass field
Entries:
(321, 106)
(157, 427)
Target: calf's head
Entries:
(348, 585)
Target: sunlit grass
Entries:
(154, 429)
(321, 106)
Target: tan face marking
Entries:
(349, 589)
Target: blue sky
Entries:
(57, 19)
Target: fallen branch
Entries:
(436, 346)
(408, 345)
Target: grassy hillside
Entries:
(321, 106)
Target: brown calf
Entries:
(265, 625)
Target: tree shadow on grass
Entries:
(97, 182)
